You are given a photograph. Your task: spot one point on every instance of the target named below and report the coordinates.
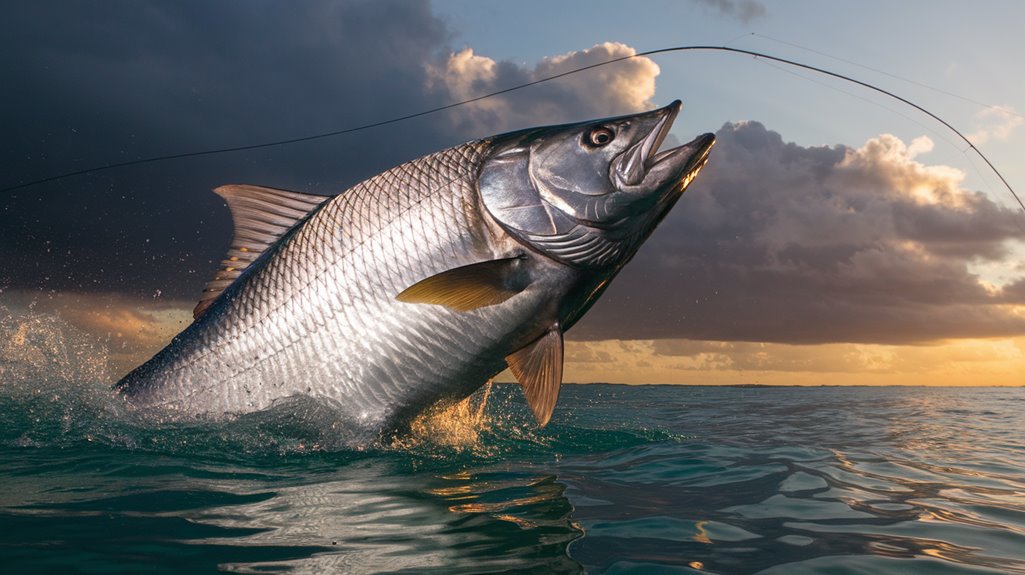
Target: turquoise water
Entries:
(646, 479)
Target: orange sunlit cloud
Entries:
(998, 361)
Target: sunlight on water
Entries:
(457, 426)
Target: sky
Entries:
(836, 236)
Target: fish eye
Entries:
(600, 136)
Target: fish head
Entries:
(589, 194)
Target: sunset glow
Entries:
(970, 362)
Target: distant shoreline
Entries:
(759, 385)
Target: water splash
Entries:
(456, 426)
(44, 349)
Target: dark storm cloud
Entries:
(145, 78)
(743, 10)
(781, 243)
(91, 83)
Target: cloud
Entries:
(625, 87)
(961, 362)
(777, 242)
(126, 80)
(743, 10)
(995, 123)
(1013, 293)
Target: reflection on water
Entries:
(368, 515)
(889, 488)
(736, 511)
(369, 518)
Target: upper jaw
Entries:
(635, 162)
(643, 162)
(648, 147)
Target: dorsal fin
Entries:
(261, 216)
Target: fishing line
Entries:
(994, 107)
(931, 129)
(941, 135)
(698, 48)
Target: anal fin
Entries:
(538, 368)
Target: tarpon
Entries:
(420, 284)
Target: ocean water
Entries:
(626, 479)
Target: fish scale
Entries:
(378, 249)
(419, 284)
(338, 256)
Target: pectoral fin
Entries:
(538, 368)
(469, 287)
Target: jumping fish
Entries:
(420, 284)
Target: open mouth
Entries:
(696, 150)
(644, 162)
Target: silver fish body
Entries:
(421, 283)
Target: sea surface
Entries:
(626, 479)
